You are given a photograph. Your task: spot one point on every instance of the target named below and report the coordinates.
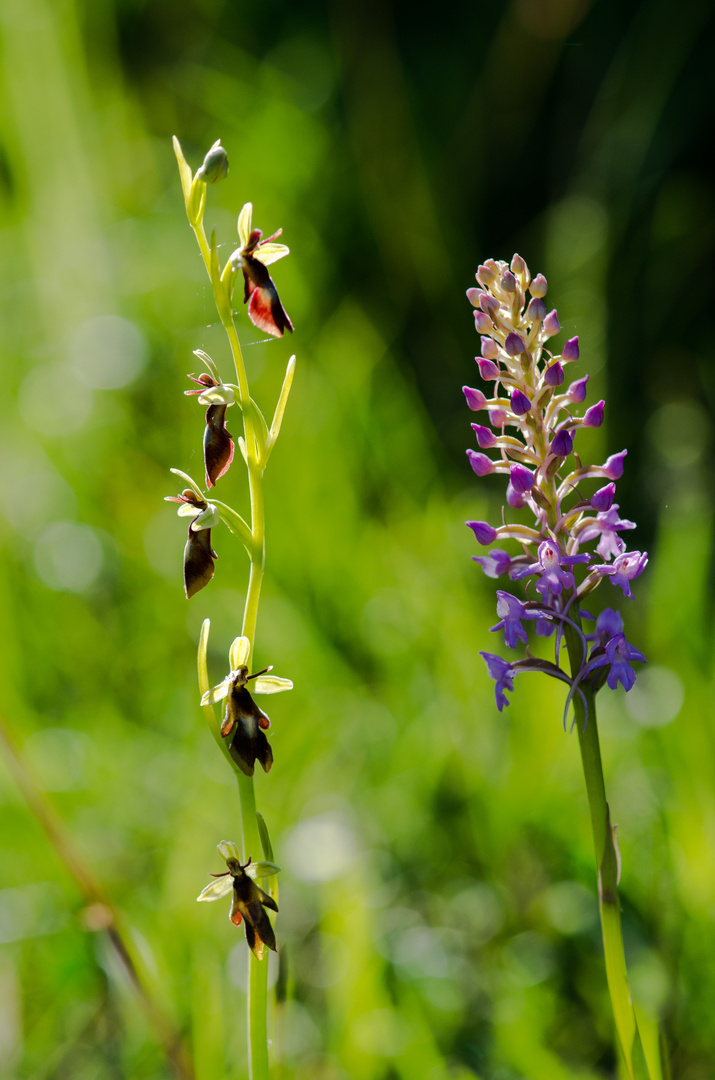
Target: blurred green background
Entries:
(438, 909)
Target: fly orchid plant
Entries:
(533, 425)
(241, 733)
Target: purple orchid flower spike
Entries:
(523, 392)
(534, 423)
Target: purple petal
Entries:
(484, 532)
(481, 464)
(475, 398)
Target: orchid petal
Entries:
(217, 693)
(262, 869)
(239, 652)
(227, 849)
(244, 223)
(271, 684)
(217, 889)
(269, 253)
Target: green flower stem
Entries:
(257, 1002)
(608, 863)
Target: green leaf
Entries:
(280, 409)
(235, 523)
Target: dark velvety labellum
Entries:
(198, 561)
(264, 307)
(246, 720)
(218, 444)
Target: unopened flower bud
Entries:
(613, 467)
(498, 418)
(577, 390)
(536, 311)
(514, 345)
(551, 324)
(475, 398)
(520, 403)
(519, 267)
(514, 498)
(481, 464)
(508, 282)
(602, 499)
(489, 304)
(484, 532)
(485, 437)
(593, 417)
(215, 165)
(489, 348)
(562, 444)
(487, 369)
(554, 375)
(473, 296)
(538, 286)
(485, 276)
(521, 479)
(570, 350)
(483, 324)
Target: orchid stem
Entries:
(257, 999)
(608, 864)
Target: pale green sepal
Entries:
(184, 170)
(262, 869)
(244, 223)
(236, 524)
(213, 370)
(208, 710)
(280, 409)
(207, 519)
(186, 510)
(217, 395)
(265, 838)
(270, 253)
(239, 653)
(202, 656)
(217, 889)
(227, 849)
(271, 684)
(216, 693)
(197, 201)
(184, 476)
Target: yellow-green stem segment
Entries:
(257, 1003)
(607, 862)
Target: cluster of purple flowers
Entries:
(532, 424)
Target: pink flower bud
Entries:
(487, 369)
(602, 499)
(613, 467)
(514, 345)
(570, 350)
(593, 417)
(521, 479)
(483, 323)
(520, 403)
(554, 375)
(473, 296)
(475, 398)
(489, 348)
(551, 324)
(538, 286)
(483, 531)
(577, 390)
(481, 464)
(485, 437)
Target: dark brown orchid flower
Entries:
(248, 900)
(242, 717)
(198, 554)
(218, 441)
(264, 307)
